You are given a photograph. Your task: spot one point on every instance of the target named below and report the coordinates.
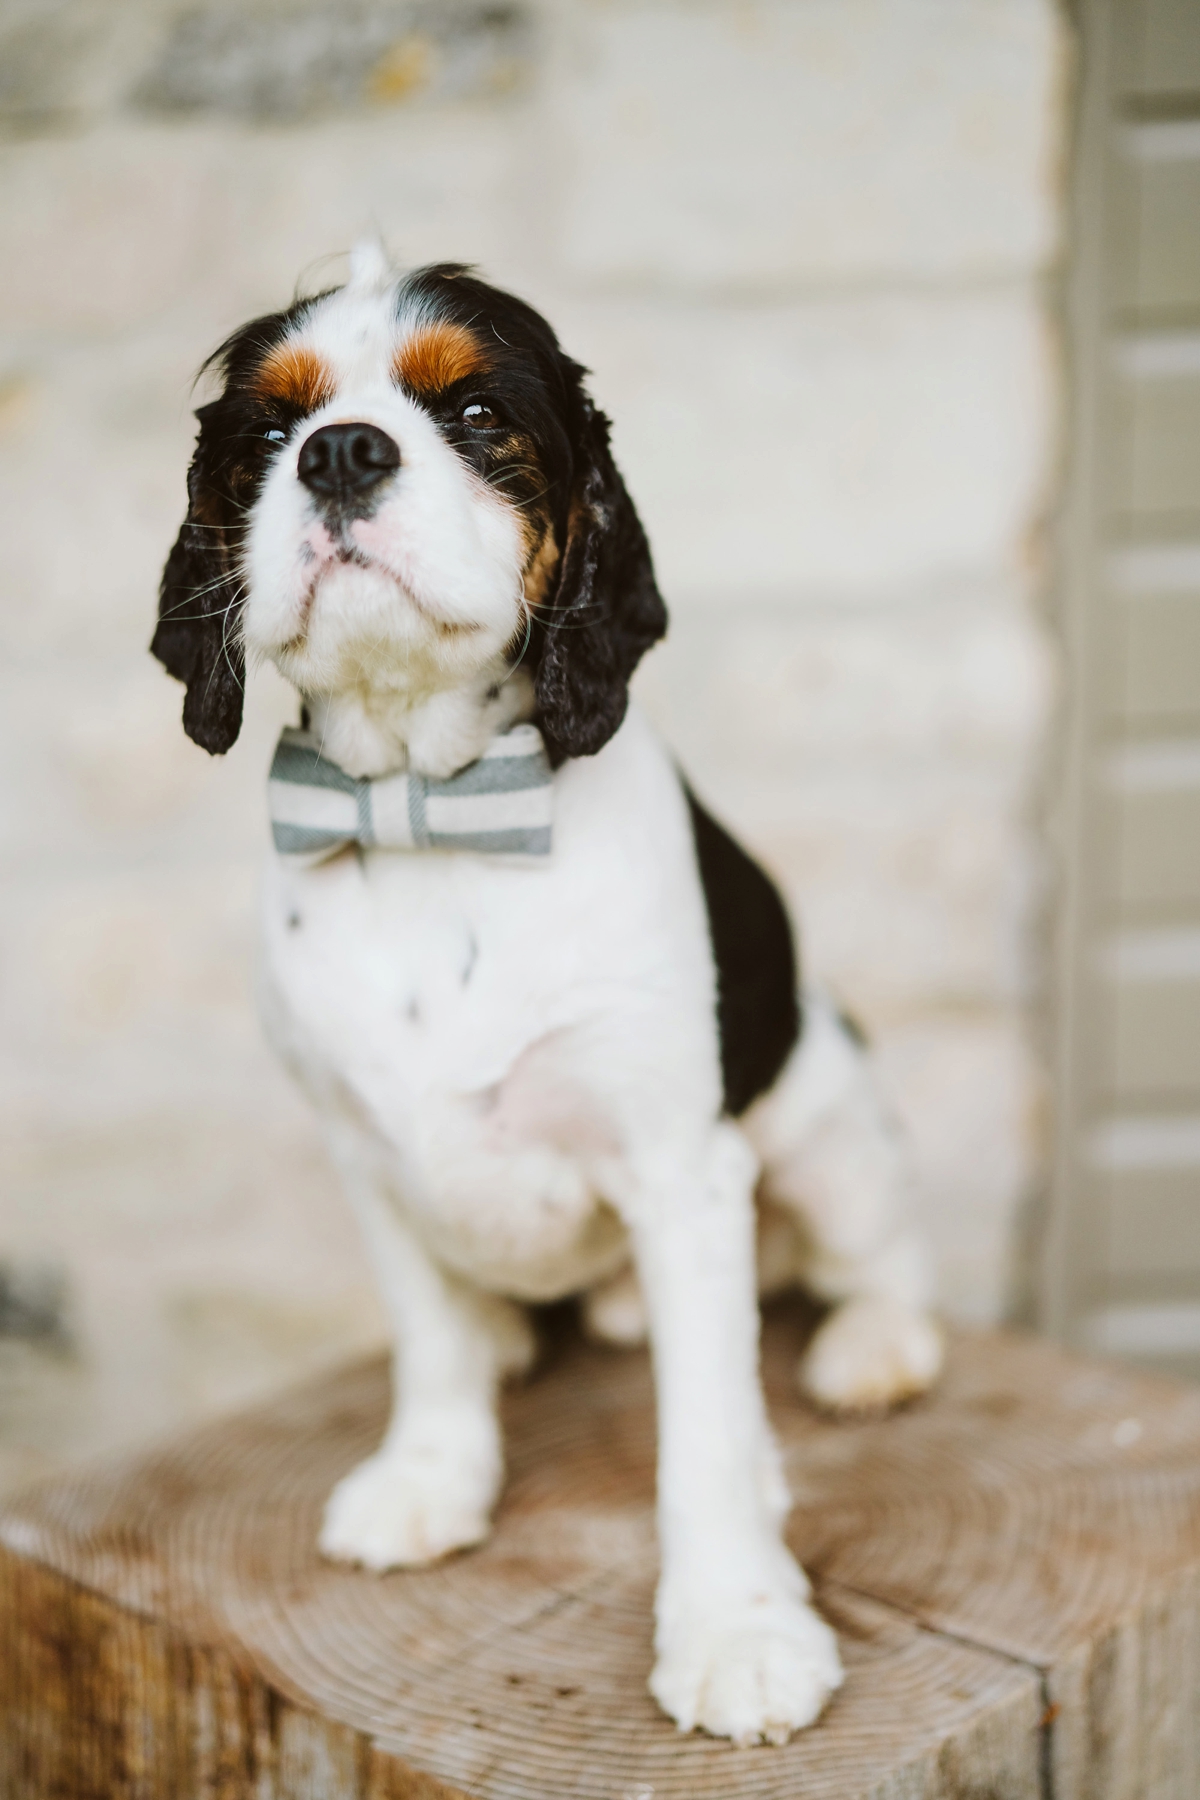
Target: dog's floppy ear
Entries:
(198, 639)
(605, 610)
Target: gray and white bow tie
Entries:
(500, 804)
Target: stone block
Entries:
(94, 448)
(292, 59)
(442, 186)
(839, 140)
(128, 992)
(209, 225)
(869, 444)
(104, 237)
(66, 63)
(208, 1256)
(151, 1145)
(49, 52)
(971, 1095)
(115, 782)
(968, 674)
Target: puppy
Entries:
(551, 1061)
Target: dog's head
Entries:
(404, 487)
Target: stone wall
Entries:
(803, 246)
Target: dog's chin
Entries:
(358, 626)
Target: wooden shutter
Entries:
(1123, 1264)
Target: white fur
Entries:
(518, 1072)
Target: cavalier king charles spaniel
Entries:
(587, 1070)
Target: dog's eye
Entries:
(274, 436)
(480, 416)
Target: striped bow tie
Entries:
(499, 804)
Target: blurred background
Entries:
(896, 307)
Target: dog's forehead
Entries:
(353, 332)
(384, 336)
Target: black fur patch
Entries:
(602, 610)
(758, 1009)
(198, 638)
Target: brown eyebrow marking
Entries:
(296, 375)
(437, 356)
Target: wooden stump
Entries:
(1013, 1566)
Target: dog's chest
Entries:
(393, 965)
(422, 1011)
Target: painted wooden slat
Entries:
(1169, 60)
(1157, 862)
(1156, 470)
(1159, 259)
(1153, 1228)
(1156, 1043)
(1154, 671)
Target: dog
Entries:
(584, 1070)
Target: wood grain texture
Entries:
(1013, 1566)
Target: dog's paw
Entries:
(870, 1353)
(407, 1506)
(755, 1674)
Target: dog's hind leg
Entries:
(431, 1485)
(836, 1167)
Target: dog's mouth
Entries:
(343, 552)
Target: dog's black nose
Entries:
(344, 462)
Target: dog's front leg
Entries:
(431, 1485)
(739, 1650)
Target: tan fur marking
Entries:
(434, 358)
(540, 565)
(296, 375)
